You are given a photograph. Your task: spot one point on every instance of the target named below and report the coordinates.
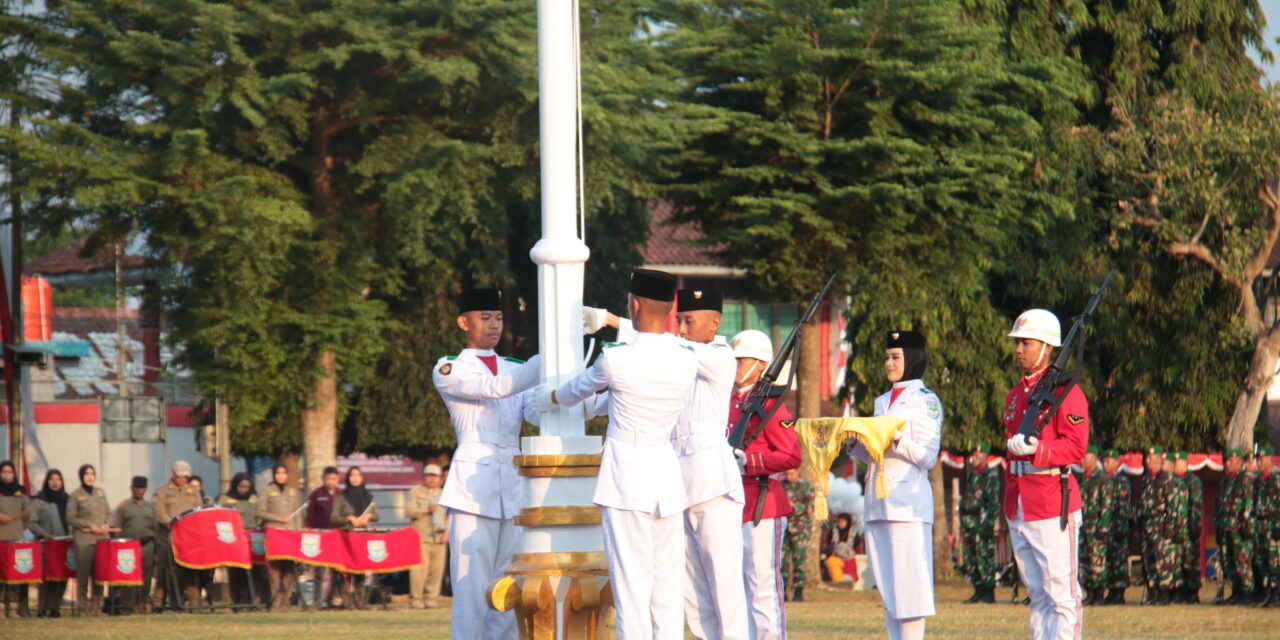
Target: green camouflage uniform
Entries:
(1164, 530)
(979, 510)
(1236, 531)
(1195, 523)
(1098, 494)
(795, 546)
(1266, 513)
(1121, 523)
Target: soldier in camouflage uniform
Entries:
(1266, 513)
(1163, 514)
(1120, 525)
(1097, 492)
(1235, 528)
(979, 510)
(1190, 591)
(795, 546)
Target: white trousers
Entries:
(762, 570)
(1047, 562)
(901, 558)
(715, 601)
(644, 553)
(480, 550)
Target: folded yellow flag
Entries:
(821, 440)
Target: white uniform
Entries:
(899, 527)
(482, 492)
(640, 486)
(715, 600)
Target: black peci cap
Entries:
(139, 481)
(699, 300)
(654, 285)
(904, 340)
(479, 300)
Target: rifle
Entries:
(1042, 400)
(760, 392)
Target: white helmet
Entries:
(1038, 324)
(752, 344)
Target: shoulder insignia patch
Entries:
(609, 345)
(1074, 419)
(446, 369)
(935, 409)
(515, 360)
(685, 346)
(788, 424)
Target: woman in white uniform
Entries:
(899, 527)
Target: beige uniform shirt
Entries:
(431, 526)
(171, 501)
(278, 504)
(19, 506)
(87, 509)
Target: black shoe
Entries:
(1234, 598)
(799, 596)
(977, 595)
(1148, 596)
(1193, 595)
(987, 596)
(1115, 597)
(1026, 601)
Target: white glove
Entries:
(542, 398)
(741, 457)
(1021, 445)
(897, 435)
(594, 319)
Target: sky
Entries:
(1271, 8)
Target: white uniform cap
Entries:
(1038, 324)
(752, 344)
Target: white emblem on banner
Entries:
(377, 550)
(226, 533)
(23, 561)
(126, 561)
(310, 544)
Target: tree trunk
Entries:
(320, 422)
(809, 405)
(1262, 368)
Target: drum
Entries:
(20, 562)
(118, 562)
(209, 538)
(59, 560)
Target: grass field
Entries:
(826, 613)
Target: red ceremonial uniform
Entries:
(1062, 442)
(775, 450)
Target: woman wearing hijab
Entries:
(899, 527)
(50, 522)
(89, 515)
(355, 509)
(241, 497)
(279, 504)
(15, 513)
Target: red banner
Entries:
(348, 551)
(382, 551)
(309, 546)
(59, 560)
(117, 562)
(20, 562)
(210, 538)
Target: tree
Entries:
(321, 179)
(893, 143)
(1166, 349)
